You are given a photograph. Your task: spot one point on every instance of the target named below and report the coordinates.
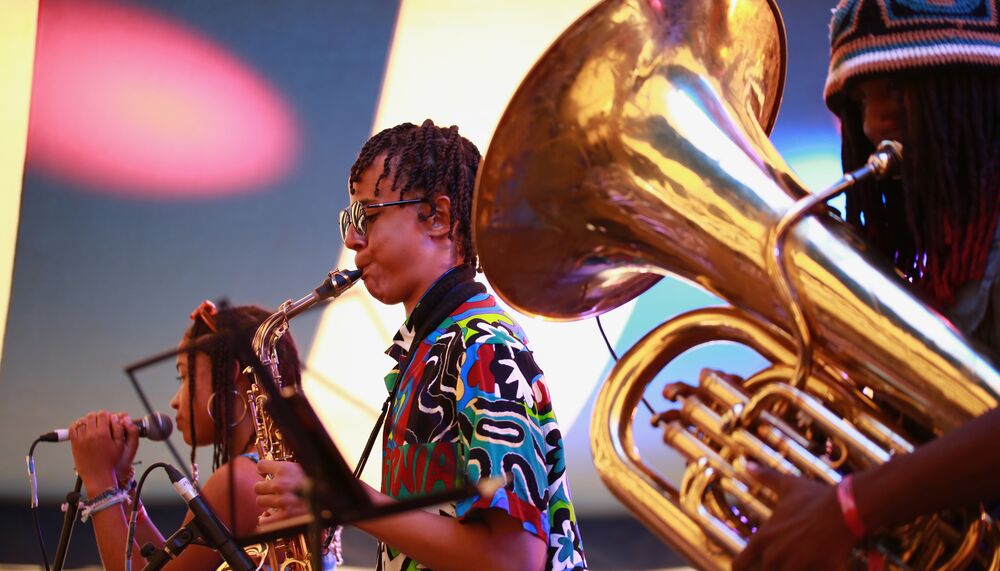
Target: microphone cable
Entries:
(30, 459)
(614, 356)
(134, 514)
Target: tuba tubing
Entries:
(636, 148)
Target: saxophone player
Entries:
(927, 74)
(211, 410)
(471, 402)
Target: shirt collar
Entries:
(402, 342)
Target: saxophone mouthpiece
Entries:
(337, 282)
(350, 275)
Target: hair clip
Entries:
(206, 312)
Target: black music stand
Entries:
(336, 497)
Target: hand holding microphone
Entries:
(156, 426)
(105, 444)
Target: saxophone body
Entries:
(289, 553)
(637, 147)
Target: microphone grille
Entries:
(158, 426)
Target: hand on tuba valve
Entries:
(808, 515)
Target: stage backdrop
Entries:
(182, 151)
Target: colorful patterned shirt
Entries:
(473, 404)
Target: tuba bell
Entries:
(637, 147)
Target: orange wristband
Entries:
(848, 508)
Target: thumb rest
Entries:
(290, 553)
(637, 147)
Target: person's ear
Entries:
(440, 220)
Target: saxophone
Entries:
(290, 553)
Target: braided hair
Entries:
(936, 224)
(429, 161)
(239, 324)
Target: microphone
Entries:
(155, 426)
(215, 533)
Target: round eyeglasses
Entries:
(355, 215)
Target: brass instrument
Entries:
(285, 553)
(636, 148)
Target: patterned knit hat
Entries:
(870, 37)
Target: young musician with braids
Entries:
(211, 409)
(471, 402)
(926, 73)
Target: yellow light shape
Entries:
(456, 62)
(459, 62)
(18, 27)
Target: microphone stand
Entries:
(189, 533)
(315, 527)
(172, 547)
(323, 516)
(69, 520)
(315, 538)
(205, 526)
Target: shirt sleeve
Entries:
(503, 431)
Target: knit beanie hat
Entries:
(871, 37)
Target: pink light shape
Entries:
(131, 104)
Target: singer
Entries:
(467, 398)
(211, 409)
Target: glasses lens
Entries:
(353, 215)
(345, 221)
(358, 218)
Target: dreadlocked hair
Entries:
(937, 223)
(237, 326)
(429, 161)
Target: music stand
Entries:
(336, 497)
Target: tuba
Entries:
(636, 148)
(290, 553)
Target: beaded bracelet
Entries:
(104, 500)
(848, 507)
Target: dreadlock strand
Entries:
(952, 184)
(192, 398)
(452, 175)
(221, 441)
(387, 142)
(411, 148)
(459, 180)
(426, 163)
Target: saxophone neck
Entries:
(335, 284)
(270, 331)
